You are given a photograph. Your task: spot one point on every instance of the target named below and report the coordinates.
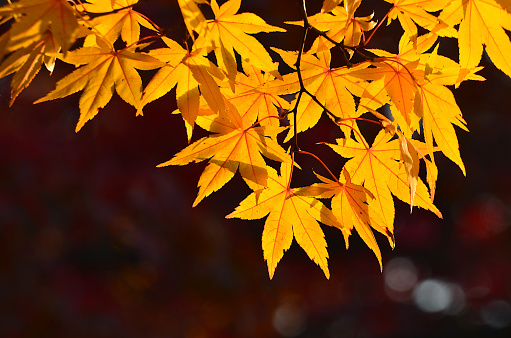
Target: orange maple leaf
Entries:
(339, 23)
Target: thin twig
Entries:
(322, 163)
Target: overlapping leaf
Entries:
(237, 145)
(190, 72)
(117, 18)
(380, 170)
(334, 88)
(417, 93)
(340, 25)
(242, 103)
(350, 204)
(412, 12)
(250, 97)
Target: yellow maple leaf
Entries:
(380, 169)
(340, 24)
(397, 80)
(237, 145)
(26, 62)
(190, 71)
(412, 12)
(350, 204)
(328, 5)
(117, 18)
(334, 88)
(290, 215)
(481, 22)
(438, 109)
(251, 98)
(193, 17)
(230, 31)
(34, 19)
(104, 69)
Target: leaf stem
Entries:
(322, 163)
(379, 24)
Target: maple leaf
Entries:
(411, 12)
(290, 215)
(417, 91)
(230, 31)
(35, 18)
(104, 69)
(117, 19)
(190, 72)
(334, 88)
(439, 111)
(350, 206)
(237, 144)
(27, 61)
(328, 5)
(251, 98)
(397, 80)
(380, 170)
(193, 17)
(481, 22)
(340, 25)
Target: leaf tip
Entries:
(271, 271)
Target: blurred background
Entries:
(95, 241)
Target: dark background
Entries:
(95, 241)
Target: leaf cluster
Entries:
(228, 84)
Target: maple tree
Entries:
(230, 85)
